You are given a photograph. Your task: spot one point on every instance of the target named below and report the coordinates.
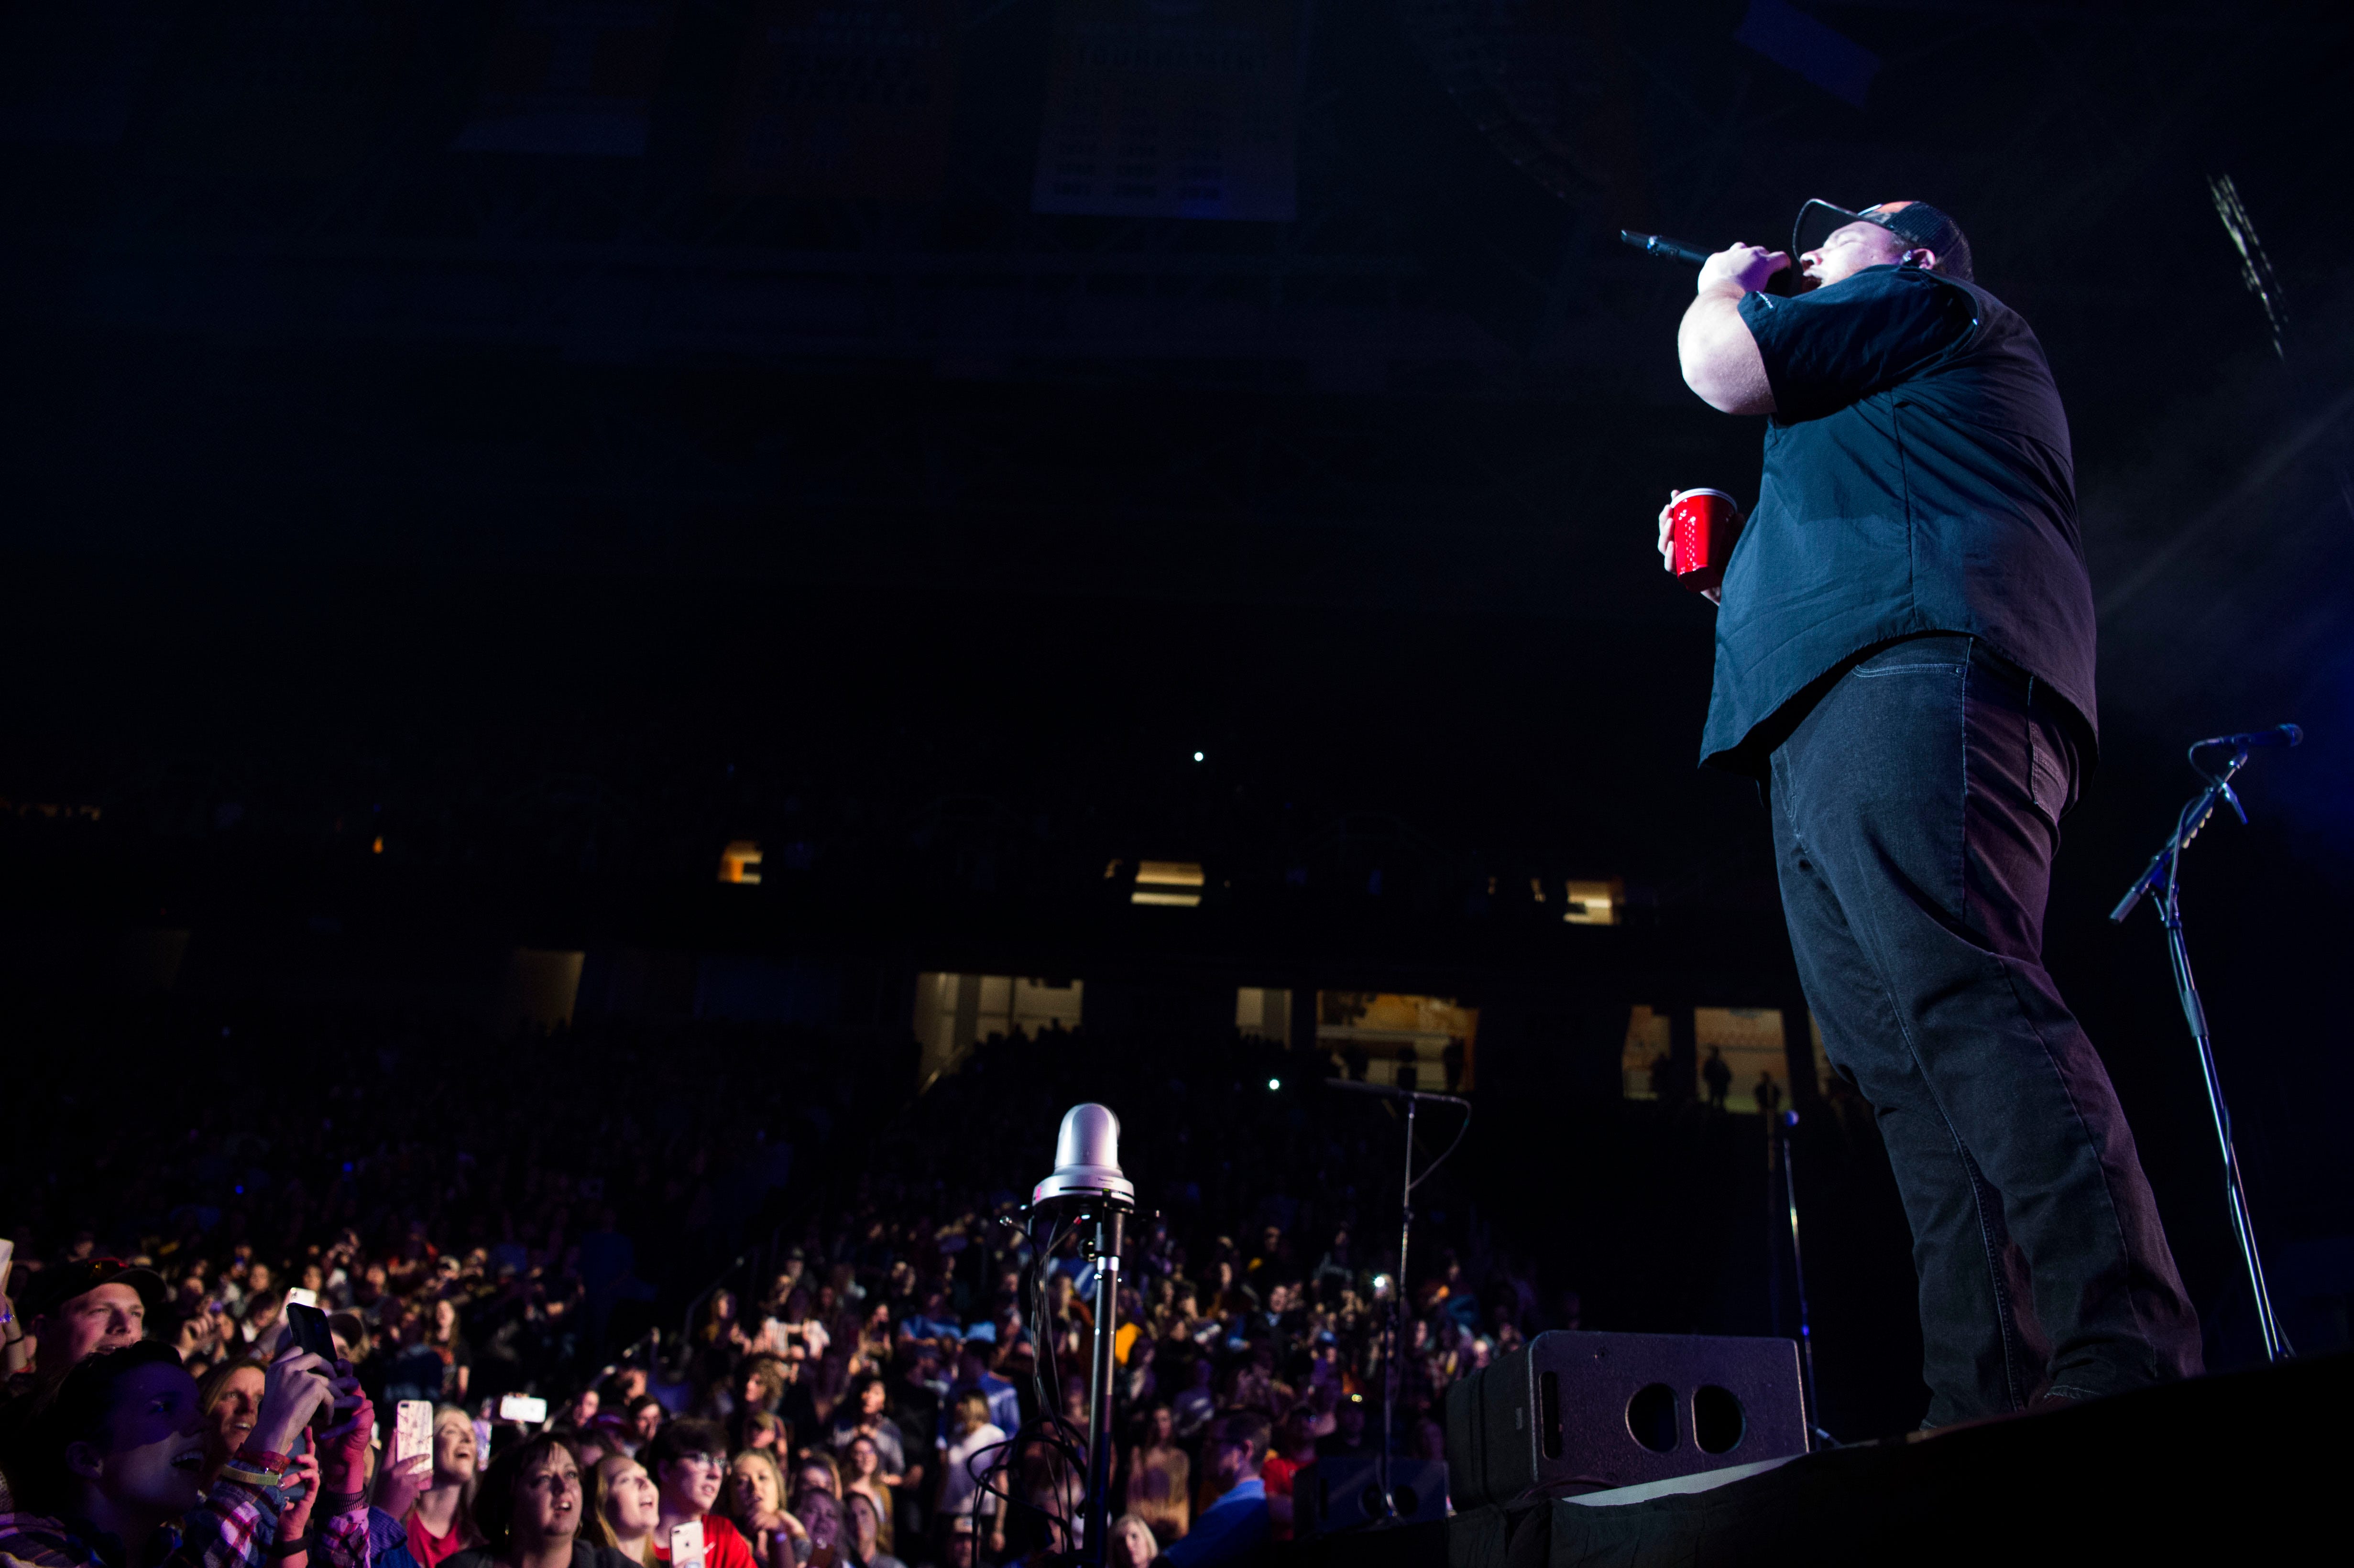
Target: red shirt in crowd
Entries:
(723, 1545)
(1277, 1473)
(429, 1549)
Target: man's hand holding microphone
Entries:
(1739, 269)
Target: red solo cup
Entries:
(1705, 525)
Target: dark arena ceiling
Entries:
(518, 427)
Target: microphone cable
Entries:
(1048, 1428)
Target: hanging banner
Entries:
(844, 98)
(1172, 108)
(571, 78)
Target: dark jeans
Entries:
(1916, 812)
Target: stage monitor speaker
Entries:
(1577, 1413)
(1344, 1493)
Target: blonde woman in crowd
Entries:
(627, 1505)
(1133, 1545)
(1159, 1477)
(754, 1500)
(441, 1523)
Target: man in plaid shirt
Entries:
(112, 1465)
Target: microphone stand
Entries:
(2162, 877)
(1778, 1128)
(1104, 1247)
(1393, 1329)
(1397, 1325)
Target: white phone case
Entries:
(412, 1430)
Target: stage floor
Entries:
(2248, 1467)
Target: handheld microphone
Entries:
(1383, 1091)
(2256, 739)
(1086, 1161)
(1666, 249)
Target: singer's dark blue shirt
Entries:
(1918, 479)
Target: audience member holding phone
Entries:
(230, 1398)
(439, 1524)
(403, 1475)
(687, 1460)
(119, 1451)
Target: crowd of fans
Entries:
(891, 1372)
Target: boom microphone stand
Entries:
(1394, 1332)
(2162, 877)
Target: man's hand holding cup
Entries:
(1697, 531)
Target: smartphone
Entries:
(308, 1326)
(412, 1430)
(686, 1544)
(529, 1409)
(298, 1296)
(7, 1261)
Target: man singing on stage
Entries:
(1904, 656)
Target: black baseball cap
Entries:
(1913, 222)
(60, 1283)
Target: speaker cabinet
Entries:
(1343, 1493)
(1575, 1413)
